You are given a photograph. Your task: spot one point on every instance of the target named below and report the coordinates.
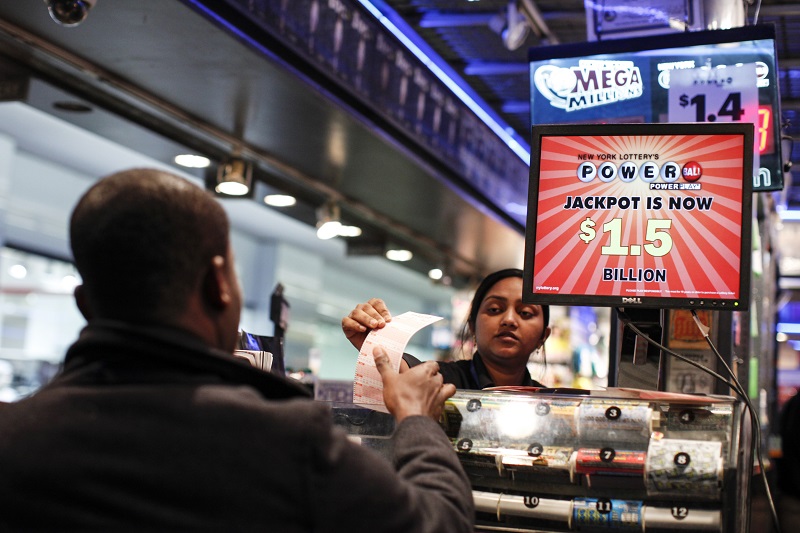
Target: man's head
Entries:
(153, 248)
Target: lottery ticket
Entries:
(367, 384)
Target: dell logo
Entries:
(631, 300)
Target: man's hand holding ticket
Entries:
(418, 392)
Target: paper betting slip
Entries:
(367, 384)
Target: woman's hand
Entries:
(370, 315)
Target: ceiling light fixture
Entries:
(435, 274)
(234, 178)
(192, 161)
(17, 271)
(349, 231)
(69, 282)
(329, 224)
(399, 254)
(280, 200)
(328, 229)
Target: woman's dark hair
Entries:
(487, 283)
(480, 293)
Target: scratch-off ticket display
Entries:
(714, 419)
(684, 467)
(590, 461)
(591, 514)
(498, 420)
(615, 459)
(544, 459)
(613, 421)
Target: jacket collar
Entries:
(105, 342)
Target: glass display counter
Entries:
(622, 459)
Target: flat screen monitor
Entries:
(628, 80)
(647, 215)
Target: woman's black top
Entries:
(469, 373)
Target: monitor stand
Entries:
(636, 363)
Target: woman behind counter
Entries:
(506, 332)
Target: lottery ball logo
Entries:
(692, 171)
(648, 171)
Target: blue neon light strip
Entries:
(788, 328)
(522, 152)
(789, 214)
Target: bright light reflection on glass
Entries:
(517, 420)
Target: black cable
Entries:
(753, 418)
(758, 10)
(627, 322)
(735, 385)
(679, 356)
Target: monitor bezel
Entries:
(617, 129)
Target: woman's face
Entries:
(507, 331)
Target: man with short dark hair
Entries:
(153, 424)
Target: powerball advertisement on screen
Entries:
(622, 219)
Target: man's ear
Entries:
(83, 305)
(216, 287)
